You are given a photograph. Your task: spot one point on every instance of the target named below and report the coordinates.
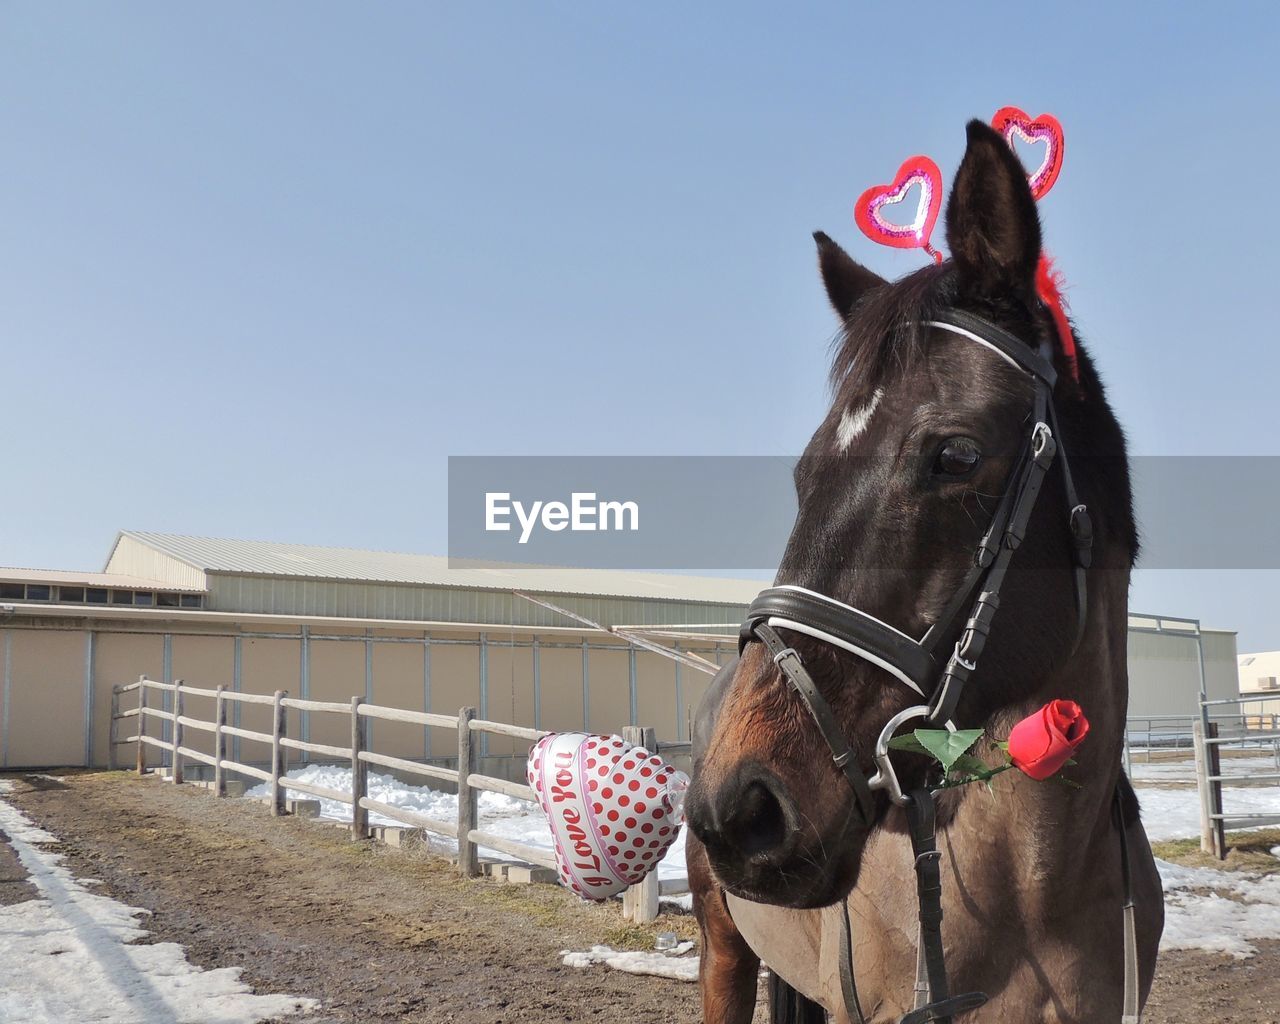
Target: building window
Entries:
(122, 597)
(12, 591)
(144, 597)
(192, 600)
(167, 600)
(73, 594)
(95, 595)
(37, 592)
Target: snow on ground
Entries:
(1218, 911)
(67, 956)
(500, 815)
(663, 965)
(1175, 813)
(1185, 770)
(1206, 909)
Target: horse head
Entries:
(923, 440)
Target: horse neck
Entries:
(1045, 832)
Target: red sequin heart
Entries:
(867, 211)
(1013, 123)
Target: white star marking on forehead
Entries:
(855, 421)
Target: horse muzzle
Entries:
(755, 837)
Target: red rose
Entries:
(1042, 743)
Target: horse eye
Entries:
(957, 458)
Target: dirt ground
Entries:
(379, 935)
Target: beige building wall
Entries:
(399, 681)
(122, 658)
(56, 670)
(560, 678)
(46, 676)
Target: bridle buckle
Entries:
(1043, 446)
(960, 659)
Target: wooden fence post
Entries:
(177, 732)
(1202, 785)
(219, 742)
(112, 730)
(142, 724)
(279, 768)
(640, 901)
(359, 772)
(468, 802)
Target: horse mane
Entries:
(883, 333)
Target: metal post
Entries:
(586, 688)
(142, 724)
(640, 901)
(177, 732)
(537, 684)
(237, 684)
(426, 694)
(633, 696)
(468, 805)
(111, 730)
(304, 688)
(278, 753)
(484, 691)
(679, 696)
(359, 773)
(219, 742)
(1219, 826)
(89, 645)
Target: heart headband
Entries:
(919, 171)
(1012, 123)
(867, 211)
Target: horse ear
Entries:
(847, 281)
(993, 230)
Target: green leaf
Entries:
(968, 764)
(947, 746)
(909, 743)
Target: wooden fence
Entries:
(640, 902)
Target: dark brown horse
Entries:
(895, 488)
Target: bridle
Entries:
(919, 664)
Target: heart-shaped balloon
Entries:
(867, 211)
(1013, 124)
(614, 809)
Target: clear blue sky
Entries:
(264, 267)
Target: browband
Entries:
(1008, 346)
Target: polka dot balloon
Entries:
(614, 809)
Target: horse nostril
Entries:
(756, 823)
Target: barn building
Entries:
(411, 632)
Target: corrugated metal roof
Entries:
(62, 577)
(268, 558)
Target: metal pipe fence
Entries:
(1215, 733)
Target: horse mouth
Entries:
(802, 882)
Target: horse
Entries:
(925, 434)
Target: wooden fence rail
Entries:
(640, 902)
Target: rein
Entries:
(918, 664)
